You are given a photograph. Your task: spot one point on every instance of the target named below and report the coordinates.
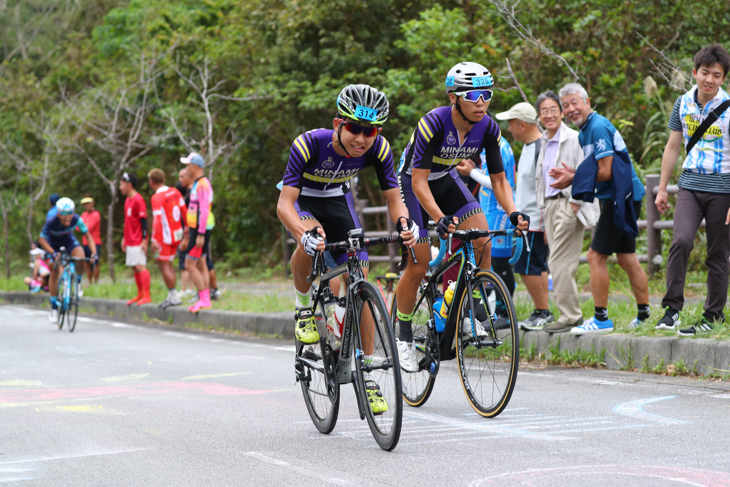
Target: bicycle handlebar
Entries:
(469, 235)
(357, 242)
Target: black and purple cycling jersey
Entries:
(319, 171)
(323, 177)
(435, 146)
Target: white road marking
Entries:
(313, 470)
(635, 409)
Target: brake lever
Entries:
(315, 262)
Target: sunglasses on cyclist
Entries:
(356, 128)
(474, 95)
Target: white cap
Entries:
(522, 111)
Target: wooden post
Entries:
(653, 235)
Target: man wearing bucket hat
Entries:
(200, 222)
(92, 218)
(532, 266)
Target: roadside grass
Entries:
(15, 283)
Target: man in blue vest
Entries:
(603, 144)
(704, 191)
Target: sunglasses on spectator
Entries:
(474, 95)
(356, 128)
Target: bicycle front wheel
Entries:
(417, 386)
(377, 367)
(316, 368)
(61, 300)
(73, 302)
(488, 364)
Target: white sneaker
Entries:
(407, 356)
(466, 328)
(53, 317)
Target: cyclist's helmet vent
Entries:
(363, 103)
(468, 76)
(65, 206)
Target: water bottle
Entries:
(440, 321)
(448, 297)
(335, 324)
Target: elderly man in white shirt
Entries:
(565, 218)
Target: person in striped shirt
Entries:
(704, 191)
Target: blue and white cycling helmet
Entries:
(65, 206)
(468, 77)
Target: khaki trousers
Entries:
(565, 240)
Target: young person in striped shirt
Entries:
(704, 191)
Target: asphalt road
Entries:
(123, 404)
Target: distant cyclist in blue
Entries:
(496, 217)
(59, 232)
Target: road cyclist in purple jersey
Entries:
(432, 189)
(316, 201)
(59, 232)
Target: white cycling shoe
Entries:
(466, 328)
(407, 356)
(53, 317)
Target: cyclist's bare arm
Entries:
(289, 216)
(45, 245)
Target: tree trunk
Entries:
(29, 228)
(110, 232)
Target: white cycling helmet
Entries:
(468, 76)
(65, 206)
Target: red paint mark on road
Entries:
(154, 388)
(705, 478)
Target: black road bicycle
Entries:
(487, 363)
(364, 345)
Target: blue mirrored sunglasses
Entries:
(473, 96)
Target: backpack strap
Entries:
(711, 118)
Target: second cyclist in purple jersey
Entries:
(432, 189)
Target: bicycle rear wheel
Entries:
(73, 303)
(317, 376)
(381, 367)
(61, 300)
(488, 366)
(417, 386)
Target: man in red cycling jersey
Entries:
(134, 242)
(168, 215)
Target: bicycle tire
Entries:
(417, 386)
(323, 402)
(73, 303)
(386, 426)
(489, 373)
(61, 300)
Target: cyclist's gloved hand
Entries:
(95, 258)
(410, 226)
(310, 240)
(513, 218)
(443, 225)
(56, 255)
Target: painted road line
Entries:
(313, 470)
(635, 409)
(15, 479)
(609, 474)
(77, 455)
